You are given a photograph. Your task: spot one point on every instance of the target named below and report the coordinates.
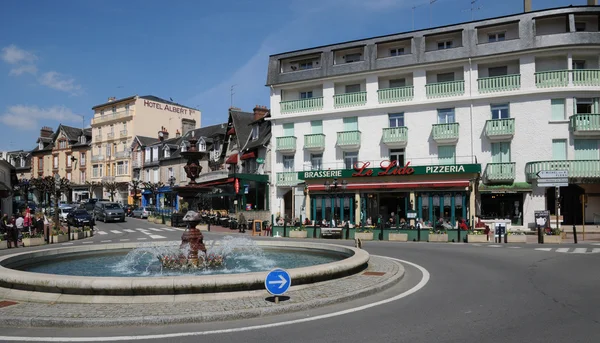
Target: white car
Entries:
(63, 212)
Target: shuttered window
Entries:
(447, 154)
(316, 126)
(501, 152)
(586, 149)
(288, 130)
(558, 109)
(559, 149)
(351, 124)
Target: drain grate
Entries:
(7, 303)
(374, 273)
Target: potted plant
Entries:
(88, 232)
(516, 237)
(438, 235)
(3, 243)
(552, 237)
(32, 240)
(398, 237)
(476, 236)
(298, 232)
(364, 234)
(77, 233)
(58, 236)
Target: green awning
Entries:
(514, 187)
(253, 177)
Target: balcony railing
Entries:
(287, 179)
(111, 116)
(314, 142)
(110, 135)
(445, 133)
(136, 164)
(395, 136)
(302, 105)
(554, 78)
(399, 94)
(97, 158)
(350, 99)
(585, 123)
(576, 168)
(500, 172)
(586, 77)
(98, 138)
(123, 133)
(499, 83)
(500, 128)
(445, 89)
(348, 139)
(122, 154)
(286, 144)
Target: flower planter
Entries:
(77, 235)
(31, 242)
(89, 233)
(436, 237)
(168, 223)
(3, 245)
(297, 234)
(552, 239)
(158, 220)
(398, 237)
(364, 236)
(516, 239)
(59, 238)
(477, 238)
(201, 227)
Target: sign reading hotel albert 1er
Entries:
(167, 107)
(389, 168)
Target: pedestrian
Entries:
(39, 225)
(13, 233)
(46, 229)
(20, 225)
(27, 222)
(242, 223)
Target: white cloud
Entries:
(26, 117)
(14, 55)
(28, 68)
(58, 81)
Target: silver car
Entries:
(108, 211)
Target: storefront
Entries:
(167, 198)
(80, 194)
(504, 202)
(437, 192)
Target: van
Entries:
(108, 211)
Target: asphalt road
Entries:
(476, 293)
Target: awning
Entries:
(231, 131)
(399, 185)
(233, 159)
(216, 183)
(512, 188)
(248, 155)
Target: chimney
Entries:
(163, 134)
(111, 99)
(592, 2)
(177, 134)
(46, 132)
(527, 5)
(260, 112)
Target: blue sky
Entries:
(59, 58)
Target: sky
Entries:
(60, 58)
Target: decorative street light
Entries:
(336, 188)
(172, 181)
(24, 187)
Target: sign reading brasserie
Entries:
(388, 168)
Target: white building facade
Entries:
(442, 124)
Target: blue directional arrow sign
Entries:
(278, 281)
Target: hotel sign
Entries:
(390, 168)
(169, 108)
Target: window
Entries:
(396, 51)
(22, 162)
(306, 95)
(68, 157)
(586, 149)
(114, 109)
(183, 147)
(250, 166)
(112, 129)
(558, 109)
(316, 161)
(316, 127)
(579, 26)
(148, 155)
(101, 112)
(82, 159)
(156, 175)
(100, 170)
(124, 126)
(396, 119)
(217, 146)
(41, 145)
(447, 154)
(95, 170)
(99, 131)
(202, 145)
(500, 111)
(62, 144)
(124, 146)
(397, 83)
(170, 173)
(352, 88)
(254, 134)
(108, 150)
(352, 57)
(350, 159)
(55, 162)
(41, 163)
(82, 140)
(497, 71)
(444, 45)
(578, 64)
(148, 178)
(501, 152)
(288, 163)
(82, 176)
(496, 37)
(559, 149)
(69, 176)
(288, 130)
(446, 116)
(445, 77)
(155, 154)
(583, 105)
(123, 168)
(351, 124)
(304, 65)
(398, 156)
(183, 174)
(127, 109)
(167, 151)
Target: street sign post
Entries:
(546, 174)
(556, 179)
(277, 282)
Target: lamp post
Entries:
(172, 181)
(24, 187)
(335, 189)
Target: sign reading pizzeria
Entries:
(390, 168)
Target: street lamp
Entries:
(336, 188)
(24, 187)
(172, 181)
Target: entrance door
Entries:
(287, 203)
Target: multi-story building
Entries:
(117, 121)
(21, 162)
(8, 178)
(447, 122)
(65, 152)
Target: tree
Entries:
(113, 187)
(45, 187)
(135, 186)
(92, 186)
(153, 187)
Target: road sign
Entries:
(544, 184)
(557, 180)
(278, 281)
(543, 174)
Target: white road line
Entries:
(595, 250)
(580, 251)
(154, 229)
(123, 240)
(167, 229)
(495, 246)
(141, 239)
(88, 242)
(475, 244)
(157, 236)
(514, 247)
(129, 230)
(141, 230)
(595, 243)
(543, 249)
(102, 233)
(110, 240)
(179, 229)
(115, 231)
(562, 249)
(66, 243)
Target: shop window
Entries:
(396, 119)
(316, 161)
(558, 109)
(500, 111)
(350, 159)
(447, 154)
(398, 156)
(446, 116)
(288, 163)
(425, 209)
(502, 206)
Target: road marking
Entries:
(157, 236)
(110, 240)
(141, 230)
(475, 244)
(543, 249)
(514, 247)
(123, 240)
(129, 230)
(154, 229)
(115, 231)
(595, 243)
(102, 233)
(580, 251)
(88, 242)
(167, 229)
(66, 243)
(595, 250)
(179, 229)
(495, 246)
(562, 250)
(141, 239)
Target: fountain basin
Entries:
(18, 284)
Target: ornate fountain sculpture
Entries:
(192, 239)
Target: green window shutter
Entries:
(558, 109)
(317, 126)
(496, 155)
(505, 152)
(559, 149)
(288, 129)
(447, 154)
(586, 149)
(351, 124)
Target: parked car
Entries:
(108, 211)
(63, 212)
(142, 212)
(79, 218)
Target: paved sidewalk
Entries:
(380, 274)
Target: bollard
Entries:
(209, 226)
(505, 237)
(68, 231)
(458, 234)
(381, 231)
(315, 230)
(347, 227)
(418, 232)
(539, 232)
(284, 227)
(574, 234)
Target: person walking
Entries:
(13, 233)
(242, 223)
(20, 225)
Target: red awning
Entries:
(231, 131)
(233, 159)
(248, 155)
(394, 185)
(215, 183)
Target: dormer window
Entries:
(40, 145)
(22, 162)
(254, 132)
(114, 109)
(217, 146)
(166, 151)
(183, 147)
(148, 155)
(62, 144)
(155, 154)
(201, 145)
(82, 140)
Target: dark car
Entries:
(108, 211)
(80, 217)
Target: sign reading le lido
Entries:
(389, 168)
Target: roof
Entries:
(241, 122)
(147, 97)
(264, 135)
(146, 141)
(115, 101)
(208, 132)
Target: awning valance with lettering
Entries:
(512, 188)
(398, 185)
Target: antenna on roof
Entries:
(431, 2)
(231, 94)
(473, 8)
(413, 15)
(82, 121)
